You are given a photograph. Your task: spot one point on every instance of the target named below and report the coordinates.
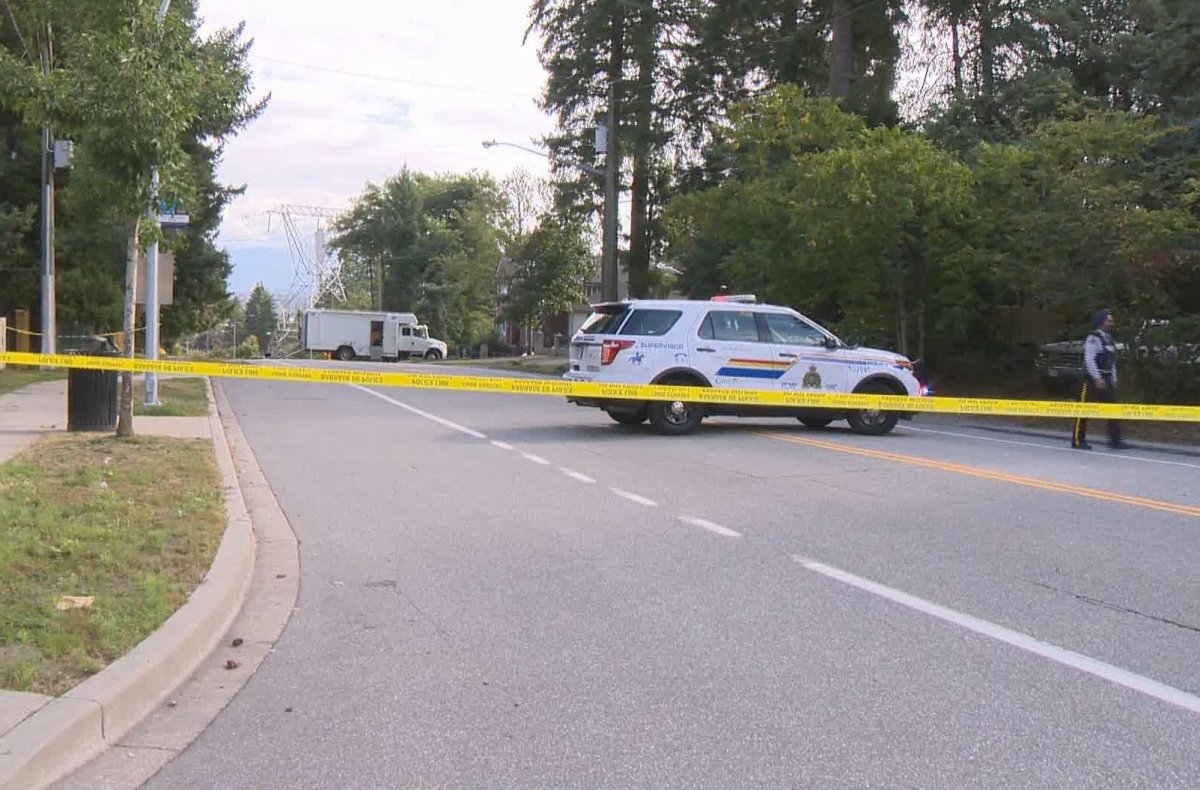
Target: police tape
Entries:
(588, 390)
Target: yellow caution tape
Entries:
(31, 333)
(562, 388)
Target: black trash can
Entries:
(93, 396)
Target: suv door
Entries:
(730, 351)
(812, 365)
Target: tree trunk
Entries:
(125, 415)
(641, 131)
(616, 90)
(956, 53)
(987, 61)
(841, 67)
(789, 58)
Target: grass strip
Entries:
(132, 524)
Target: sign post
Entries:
(166, 217)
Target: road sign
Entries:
(169, 216)
(166, 278)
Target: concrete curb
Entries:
(70, 730)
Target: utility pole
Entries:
(152, 265)
(49, 318)
(612, 165)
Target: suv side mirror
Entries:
(830, 342)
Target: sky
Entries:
(359, 89)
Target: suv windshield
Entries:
(605, 321)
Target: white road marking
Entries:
(580, 476)
(641, 500)
(710, 526)
(1105, 456)
(502, 445)
(432, 417)
(537, 459)
(1070, 658)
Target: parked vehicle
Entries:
(731, 342)
(364, 334)
(1060, 364)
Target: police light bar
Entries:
(741, 298)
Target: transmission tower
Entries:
(317, 272)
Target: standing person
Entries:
(1099, 380)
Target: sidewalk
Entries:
(29, 413)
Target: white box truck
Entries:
(364, 334)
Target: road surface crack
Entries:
(1115, 607)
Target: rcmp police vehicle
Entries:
(730, 341)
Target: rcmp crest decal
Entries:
(812, 379)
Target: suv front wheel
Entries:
(873, 422)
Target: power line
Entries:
(399, 80)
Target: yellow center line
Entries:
(988, 474)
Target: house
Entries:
(550, 336)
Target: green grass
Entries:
(178, 397)
(14, 377)
(133, 523)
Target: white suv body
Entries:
(729, 342)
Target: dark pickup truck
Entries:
(1060, 364)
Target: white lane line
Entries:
(1106, 456)
(537, 459)
(580, 476)
(432, 417)
(641, 500)
(1070, 658)
(710, 526)
(502, 445)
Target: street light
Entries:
(607, 143)
(155, 216)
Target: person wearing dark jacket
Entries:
(1099, 379)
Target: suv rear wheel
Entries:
(630, 417)
(675, 418)
(873, 422)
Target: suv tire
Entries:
(871, 422)
(630, 417)
(816, 423)
(675, 418)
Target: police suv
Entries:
(734, 342)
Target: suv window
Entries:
(651, 322)
(605, 321)
(793, 331)
(735, 325)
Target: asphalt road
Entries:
(505, 591)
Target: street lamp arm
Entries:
(589, 169)
(494, 143)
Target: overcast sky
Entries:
(359, 89)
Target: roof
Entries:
(687, 303)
